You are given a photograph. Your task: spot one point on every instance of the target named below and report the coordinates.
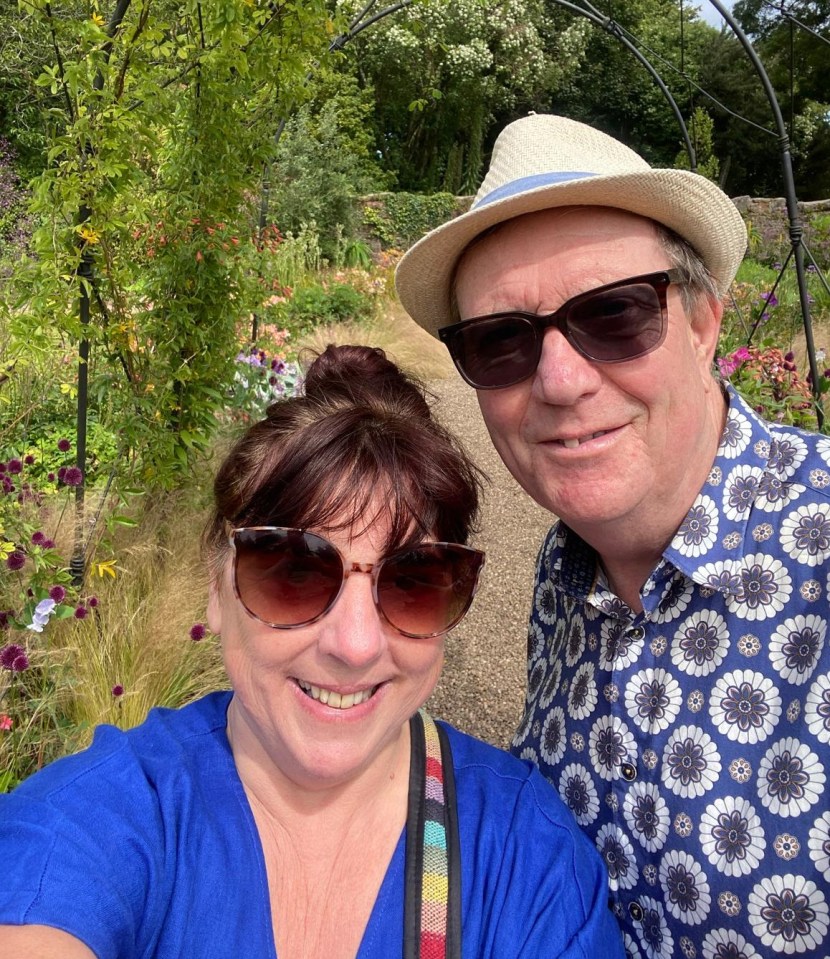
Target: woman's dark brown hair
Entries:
(359, 445)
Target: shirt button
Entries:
(635, 910)
(635, 632)
(629, 772)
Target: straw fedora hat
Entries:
(544, 161)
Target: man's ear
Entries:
(705, 326)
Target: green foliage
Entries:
(320, 304)
(443, 73)
(701, 128)
(324, 163)
(399, 219)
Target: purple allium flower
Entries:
(2, 467)
(92, 602)
(64, 445)
(49, 544)
(51, 477)
(61, 474)
(197, 632)
(789, 357)
(117, 690)
(29, 460)
(81, 612)
(16, 560)
(14, 466)
(38, 538)
(14, 658)
(73, 476)
(58, 593)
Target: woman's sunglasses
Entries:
(288, 577)
(616, 322)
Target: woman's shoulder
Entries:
(168, 740)
(501, 782)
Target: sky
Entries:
(711, 15)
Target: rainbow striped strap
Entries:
(432, 910)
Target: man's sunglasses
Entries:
(288, 577)
(615, 322)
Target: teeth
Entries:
(573, 443)
(330, 698)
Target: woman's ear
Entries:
(214, 604)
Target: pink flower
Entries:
(5, 722)
(197, 632)
(117, 690)
(741, 354)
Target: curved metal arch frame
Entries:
(796, 225)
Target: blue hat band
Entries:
(527, 183)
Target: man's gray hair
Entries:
(697, 283)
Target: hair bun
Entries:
(360, 374)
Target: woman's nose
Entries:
(563, 375)
(353, 631)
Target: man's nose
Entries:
(353, 631)
(563, 375)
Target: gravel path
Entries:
(482, 687)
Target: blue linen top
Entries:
(690, 740)
(145, 846)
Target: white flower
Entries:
(700, 643)
(616, 849)
(653, 699)
(610, 744)
(699, 530)
(691, 762)
(553, 739)
(787, 451)
(574, 642)
(40, 617)
(740, 491)
(647, 815)
(576, 787)
(795, 647)
(820, 844)
(583, 695)
(817, 708)
(765, 587)
(788, 913)
(720, 943)
(653, 930)
(745, 706)
(731, 836)
(619, 647)
(790, 778)
(545, 602)
(685, 887)
(805, 534)
(736, 435)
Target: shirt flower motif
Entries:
(745, 706)
(788, 913)
(653, 699)
(731, 836)
(790, 778)
(796, 646)
(691, 763)
(647, 815)
(576, 787)
(685, 887)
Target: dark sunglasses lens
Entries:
(426, 591)
(495, 352)
(286, 577)
(618, 324)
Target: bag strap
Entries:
(432, 906)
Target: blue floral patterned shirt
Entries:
(691, 740)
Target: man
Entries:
(678, 677)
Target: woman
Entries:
(310, 812)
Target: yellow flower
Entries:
(88, 234)
(97, 19)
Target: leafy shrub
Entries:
(399, 219)
(324, 303)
